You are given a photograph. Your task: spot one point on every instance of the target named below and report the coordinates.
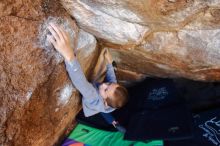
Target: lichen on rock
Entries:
(44, 32)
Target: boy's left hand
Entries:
(61, 41)
(108, 56)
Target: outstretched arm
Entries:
(61, 42)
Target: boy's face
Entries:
(106, 90)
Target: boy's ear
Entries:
(105, 103)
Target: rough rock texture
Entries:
(180, 38)
(105, 26)
(38, 101)
(163, 13)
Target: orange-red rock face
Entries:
(37, 100)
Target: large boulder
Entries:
(38, 100)
(103, 25)
(160, 13)
(180, 38)
(185, 53)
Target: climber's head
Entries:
(114, 95)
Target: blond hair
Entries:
(119, 98)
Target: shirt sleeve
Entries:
(79, 80)
(110, 74)
(92, 102)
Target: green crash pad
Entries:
(95, 137)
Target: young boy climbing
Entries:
(105, 97)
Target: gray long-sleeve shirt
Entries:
(92, 101)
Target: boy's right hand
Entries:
(61, 41)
